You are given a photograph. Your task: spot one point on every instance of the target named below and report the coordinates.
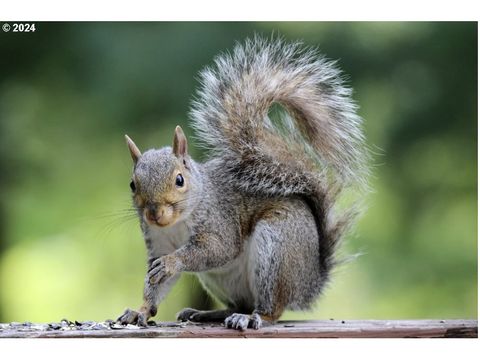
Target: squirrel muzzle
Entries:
(161, 215)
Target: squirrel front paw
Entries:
(161, 269)
(133, 317)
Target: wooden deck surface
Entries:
(283, 329)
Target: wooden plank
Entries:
(283, 329)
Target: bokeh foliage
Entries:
(69, 91)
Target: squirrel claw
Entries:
(187, 314)
(133, 317)
(157, 272)
(243, 321)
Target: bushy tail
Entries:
(314, 150)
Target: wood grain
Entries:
(283, 329)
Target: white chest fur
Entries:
(166, 240)
(230, 283)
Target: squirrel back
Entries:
(317, 149)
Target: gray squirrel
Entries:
(256, 221)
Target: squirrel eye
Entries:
(132, 186)
(179, 180)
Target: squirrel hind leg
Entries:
(189, 314)
(284, 263)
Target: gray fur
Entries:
(243, 85)
(256, 221)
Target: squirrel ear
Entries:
(180, 146)
(134, 152)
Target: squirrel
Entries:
(256, 221)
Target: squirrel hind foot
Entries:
(243, 322)
(186, 314)
(189, 314)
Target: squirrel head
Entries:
(164, 185)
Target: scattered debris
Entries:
(100, 326)
(67, 325)
(37, 327)
(55, 326)
(66, 322)
(129, 326)
(117, 326)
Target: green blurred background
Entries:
(69, 91)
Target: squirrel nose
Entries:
(159, 214)
(151, 212)
(152, 215)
